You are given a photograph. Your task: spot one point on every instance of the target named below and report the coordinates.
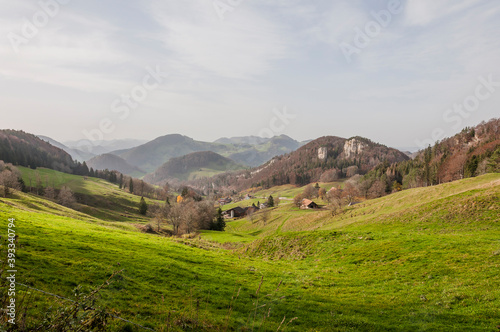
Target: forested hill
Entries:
(474, 151)
(328, 156)
(20, 148)
(324, 159)
(191, 166)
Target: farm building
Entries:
(308, 204)
(224, 201)
(235, 212)
(251, 209)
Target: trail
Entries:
(281, 226)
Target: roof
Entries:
(306, 201)
(237, 209)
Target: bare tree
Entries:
(205, 214)
(189, 216)
(39, 185)
(9, 179)
(350, 192)
(66, 197)
(175, 217)
(309, 192)
(50, 193)
(334, 198)
(265, 216)
(329, 176)
(322, 193)
(351, 171)
(160, 215)
(297, 200)
(377, 189)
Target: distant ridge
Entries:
(114, 163)
(76, 154)
(192, 166)
(151, 155)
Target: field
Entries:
(421, 259)
(103, 199)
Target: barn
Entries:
(308, 204)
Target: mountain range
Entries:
(75, 153)
(333, 155)
(255, 161)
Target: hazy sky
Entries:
(228, 67)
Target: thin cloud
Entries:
(243, 46)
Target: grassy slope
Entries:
(106, 200)
(421, 259)
(161, 277)
(427, 257)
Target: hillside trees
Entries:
(310, 192)
(297, 200)
(187, 216)
(66, 197)
(9, 179)
(270, 201)
(329, 175)
(23, 149)
(219, 223)
(50, 193)
(143, 206)
(350, 192)
(335, 201)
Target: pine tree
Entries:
(220, 223)
(131, 186)
(143, 207)
(270, 201)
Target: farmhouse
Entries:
(308, 204)
(235, 212)
(224, 201)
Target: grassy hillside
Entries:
(97, 197)
(423, 259)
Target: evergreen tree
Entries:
(143, 207)
(22, 185)
(270, 201)
(221, 223)
(131, 186)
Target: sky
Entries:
(402, 73)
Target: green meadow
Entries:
(425, 259)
